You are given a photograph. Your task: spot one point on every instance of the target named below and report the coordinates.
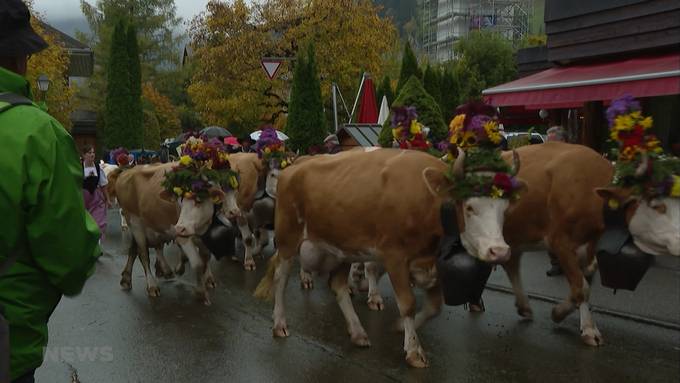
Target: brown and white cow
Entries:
(155, 218)
(382, 206)
(256, 200)
(562, 211)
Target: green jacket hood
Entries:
(15, 83)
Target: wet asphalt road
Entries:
(107, 335)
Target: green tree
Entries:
(413, 94)
(306, 123)
(431, 83)
(486, 59)
(449, 93)
(409, 67)
(117, 107)
(136, 117)
(385, 89)
(152, 131)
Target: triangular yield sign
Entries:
(271, 67)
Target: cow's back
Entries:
(561, 180)
(138, 190)
(357, 201)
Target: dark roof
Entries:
(81, 57)
(68, 41)
(364, 134)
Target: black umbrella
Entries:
(215, 132)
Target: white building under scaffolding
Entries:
(445, 21)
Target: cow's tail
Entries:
(111, 178)
(265, 289)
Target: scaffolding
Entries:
(443, 22)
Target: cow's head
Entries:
(481, 217)
(273, 167)
(654, 223)
(195, 215)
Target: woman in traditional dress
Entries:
(94, 181)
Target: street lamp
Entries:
(43, 84)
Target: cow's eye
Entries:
(469, 209)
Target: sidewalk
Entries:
(657, 296)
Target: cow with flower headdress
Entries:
(258, 173)
(385, 206)
(177, 201)
(562, 209)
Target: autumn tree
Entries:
(349, 37)
(306, 124)
(53, 62)
(163, 111)
(409, 67)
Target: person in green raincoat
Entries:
(48, 241)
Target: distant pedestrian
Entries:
(332, 144)
(556, 133)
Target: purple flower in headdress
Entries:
(443, 145)
(403, 116)
(623, 105)
(477, 124)
(115, 153)
(197, 185)
(268, 137)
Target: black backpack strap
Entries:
(9, 100)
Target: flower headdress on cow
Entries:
(271, 148)
(641, 163)
(477, 169)
(407, 131)
(121, 156)
(203, 164)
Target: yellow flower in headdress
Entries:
(457, 122)
(623, 122)
(185, 160)
(267, 150)
(675, 189)
(233, 182)
(496, 192)
(491, 129)
(284, 163)
(647, 123)
(415, 127)
(188, 195)
(396, 133)
(178, 190)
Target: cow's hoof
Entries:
(561, 311)
(307, 284)
(592, 337)
(249, 265)
(416, 358)
(361, 339)
(153, 291)
(125, 285)
(179, 270)
(475, 308)
(375, 303)
(525, 312)
(206, 301)
(210, 283)
(281, 331)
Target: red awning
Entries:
(571, 86)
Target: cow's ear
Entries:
(216, 195)
(166, 195)
(435, 181)
(609, 193)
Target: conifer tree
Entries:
(135, 80)
(116, 113)
(409, 67)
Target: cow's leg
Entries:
(198, 265)
(306, 279)
(338, 282)
(566, 253)
(590, 334)
(375, 301)
(123, 222)
(432, 307)
(248, 243)
(142, 246)
(281, 274)
(162, 267)
(179, 268)
(262, 240)
(398, 271)
(126, 275)
(208, 278)
(511, 268)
